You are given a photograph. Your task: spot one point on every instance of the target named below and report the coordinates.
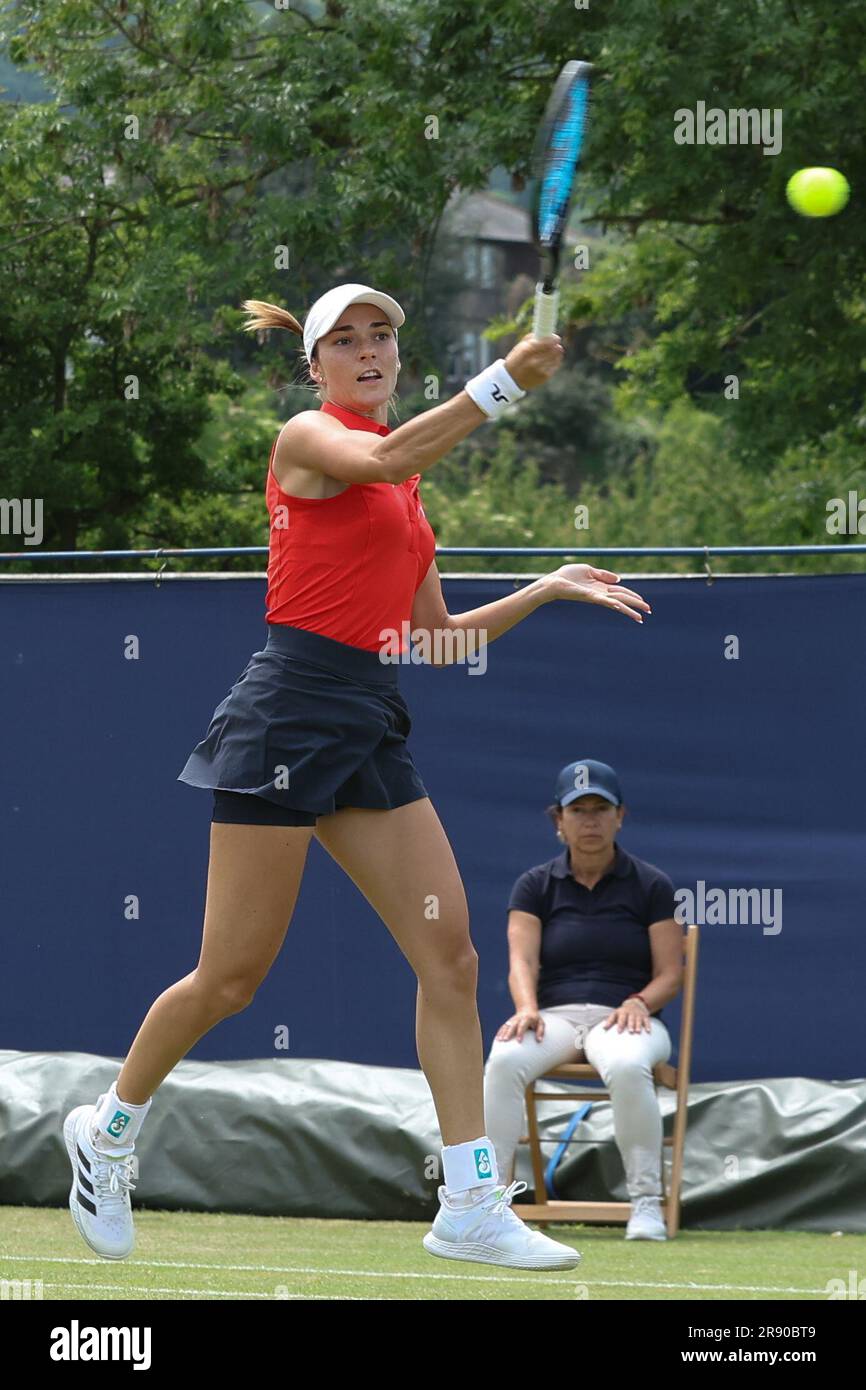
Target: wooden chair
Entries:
(674, 1078)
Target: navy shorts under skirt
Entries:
(310, 725)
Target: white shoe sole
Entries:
(488, 1254)
(70, 1126)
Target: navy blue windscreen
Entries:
(733, 716)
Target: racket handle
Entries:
(546, 310)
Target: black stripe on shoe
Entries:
(85, 1182)
(86, 1203)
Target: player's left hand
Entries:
(631, 1015)
(588, 585)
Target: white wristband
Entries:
(494, 389)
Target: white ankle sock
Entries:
(469, 1169)
(116, 1123)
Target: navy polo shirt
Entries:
(595, 945)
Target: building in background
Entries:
(488, 241)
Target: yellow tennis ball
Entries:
(817, 192)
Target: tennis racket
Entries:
(557, 151)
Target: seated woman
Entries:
(595, 952)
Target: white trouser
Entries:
(574, 1033)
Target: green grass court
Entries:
(191, 1255)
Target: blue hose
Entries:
(562, 1146)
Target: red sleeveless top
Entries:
(347, 566)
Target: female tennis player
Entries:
(311, 740)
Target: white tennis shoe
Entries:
(101, 1184)
(646, 1221)
(489, 1232)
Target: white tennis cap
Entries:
(328, 310)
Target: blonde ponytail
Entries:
(260, 314)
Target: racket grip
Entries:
(546, 311)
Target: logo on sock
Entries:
(483, 1165)
(118, 1124)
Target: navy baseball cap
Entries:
(587, 777)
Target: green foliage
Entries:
(474, 500)
(684, 489)
(186, 143)
(692, 491)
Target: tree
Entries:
(197, 152)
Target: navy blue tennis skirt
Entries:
(310, 725)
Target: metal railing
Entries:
(701, 551)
